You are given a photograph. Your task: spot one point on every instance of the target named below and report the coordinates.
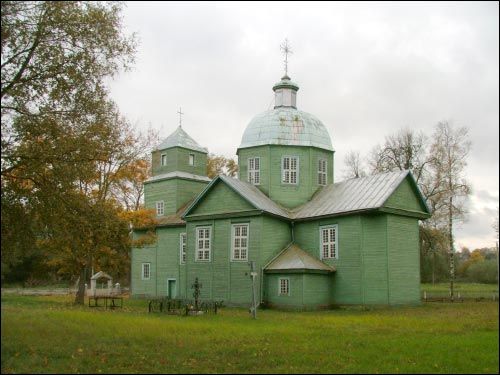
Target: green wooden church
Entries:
(315, 243)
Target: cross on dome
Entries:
(287, 49)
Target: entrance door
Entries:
(172, 292)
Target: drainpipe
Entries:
(293, 234)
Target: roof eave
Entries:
(299, 270)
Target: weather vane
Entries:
(180, 116)
(286, 50)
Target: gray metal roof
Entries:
(294, 258)
(286, 126)
(256, 197)
(355, 194)
(178, 174)
(179, 138)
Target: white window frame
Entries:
(204, 250)
(164, 157)
(240, 237)
(289, 170)
(160, 208)
(149, 271)
(253, 173)
(191, 159)
(322, 173)
(280, 286)
(335, 243)
(182, 248)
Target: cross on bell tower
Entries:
(180, 116)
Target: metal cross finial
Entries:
(180, 116)
(286, 50)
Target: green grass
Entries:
(49, 334)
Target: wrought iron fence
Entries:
(182, 306)
(445, 296)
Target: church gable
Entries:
(407, 197)
(220, 198)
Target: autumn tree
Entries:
(219, 164)
(62, 137)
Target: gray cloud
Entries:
(366, 70)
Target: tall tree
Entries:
(449, 149)
(62, 136)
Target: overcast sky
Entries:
(365, 70)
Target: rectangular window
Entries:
(203, 243)
(328, 241)
(160, 208)
(290, 169)
(183, 248)
(254, 171)
(146, 271)
(191, 159)
(322, 172)
(163, 159)
(284, 287)
(239, 242)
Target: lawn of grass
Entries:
(49, 334)
(459, 286)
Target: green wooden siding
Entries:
(178, 160)
(317, 290)
(374, 259)
(164, 257)
(380, 266)
(187, 190)
(221, 199)
(226, 279)
(347, 281)
(222, 278)
(403, 260)
(139, 287)
(288, 195)
(307, 291)
(293, 300)
(405, 198)
(174, 192)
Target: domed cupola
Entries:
(285, 124)
(285, 152)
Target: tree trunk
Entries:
(452, 253)
(433, 266)
(80, 293)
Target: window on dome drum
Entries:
(191, 159)
(328, 241)
(183, 248)
(160, 208)
(284, 287)
(239, 242)
(289, 169)
(254, 171)
(203, 243)
(146, 267)
(322, 172)
(163, 159)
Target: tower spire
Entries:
(287, 49)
